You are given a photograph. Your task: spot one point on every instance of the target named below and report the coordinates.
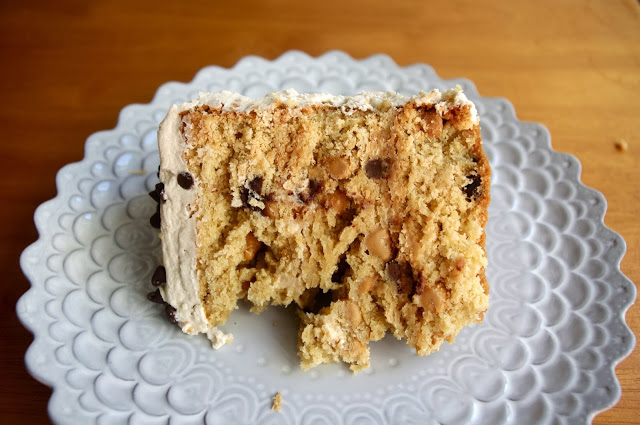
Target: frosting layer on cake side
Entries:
(179, 234)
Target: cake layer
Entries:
(368, 212)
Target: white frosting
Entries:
(365, 101)
(179, 238)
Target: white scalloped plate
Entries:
(545, 353)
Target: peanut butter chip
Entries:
(252, 246)
(270, 208)
(338, 167)
(379, 244)
(354, 315)
(337, 202)
(431, 298)
(366, 284)
(434, 123)
(357, 348)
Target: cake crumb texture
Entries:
(277, 402)
(368, 220)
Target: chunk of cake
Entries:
(367, 212)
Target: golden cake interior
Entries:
(368, 220)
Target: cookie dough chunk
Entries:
(367, 212)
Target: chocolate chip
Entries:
(155, 297)
(256, 185)
(171, 314)
(253, 192)
(238, 135)
(159, 276)
(377, 168)
(158, 192)
(245, 196)
(419, 285)
(402, 274)
(394, 270)
(158, 173)
(343, 266)
(314, 187)
(155, 218)
(185, 180)
(155, 195)
(471, 189)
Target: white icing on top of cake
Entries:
(179, 238)
(365, 101)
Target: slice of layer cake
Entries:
(368, 212)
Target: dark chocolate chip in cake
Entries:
(185, 180)
(253, 192)
(395, 270)
(238, 135)
(155, 297)
(256, 186)
(377, 168)
(158, 173)
(471, 189)
(314, 187)
(402, 274)
(171, 314)
(245, 196)
(159, 276)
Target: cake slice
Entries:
(367, 212)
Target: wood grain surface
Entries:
(69, 67)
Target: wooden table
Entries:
(68, 69)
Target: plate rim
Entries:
(41, 212)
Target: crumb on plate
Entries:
(277, 402)
(621, 145)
